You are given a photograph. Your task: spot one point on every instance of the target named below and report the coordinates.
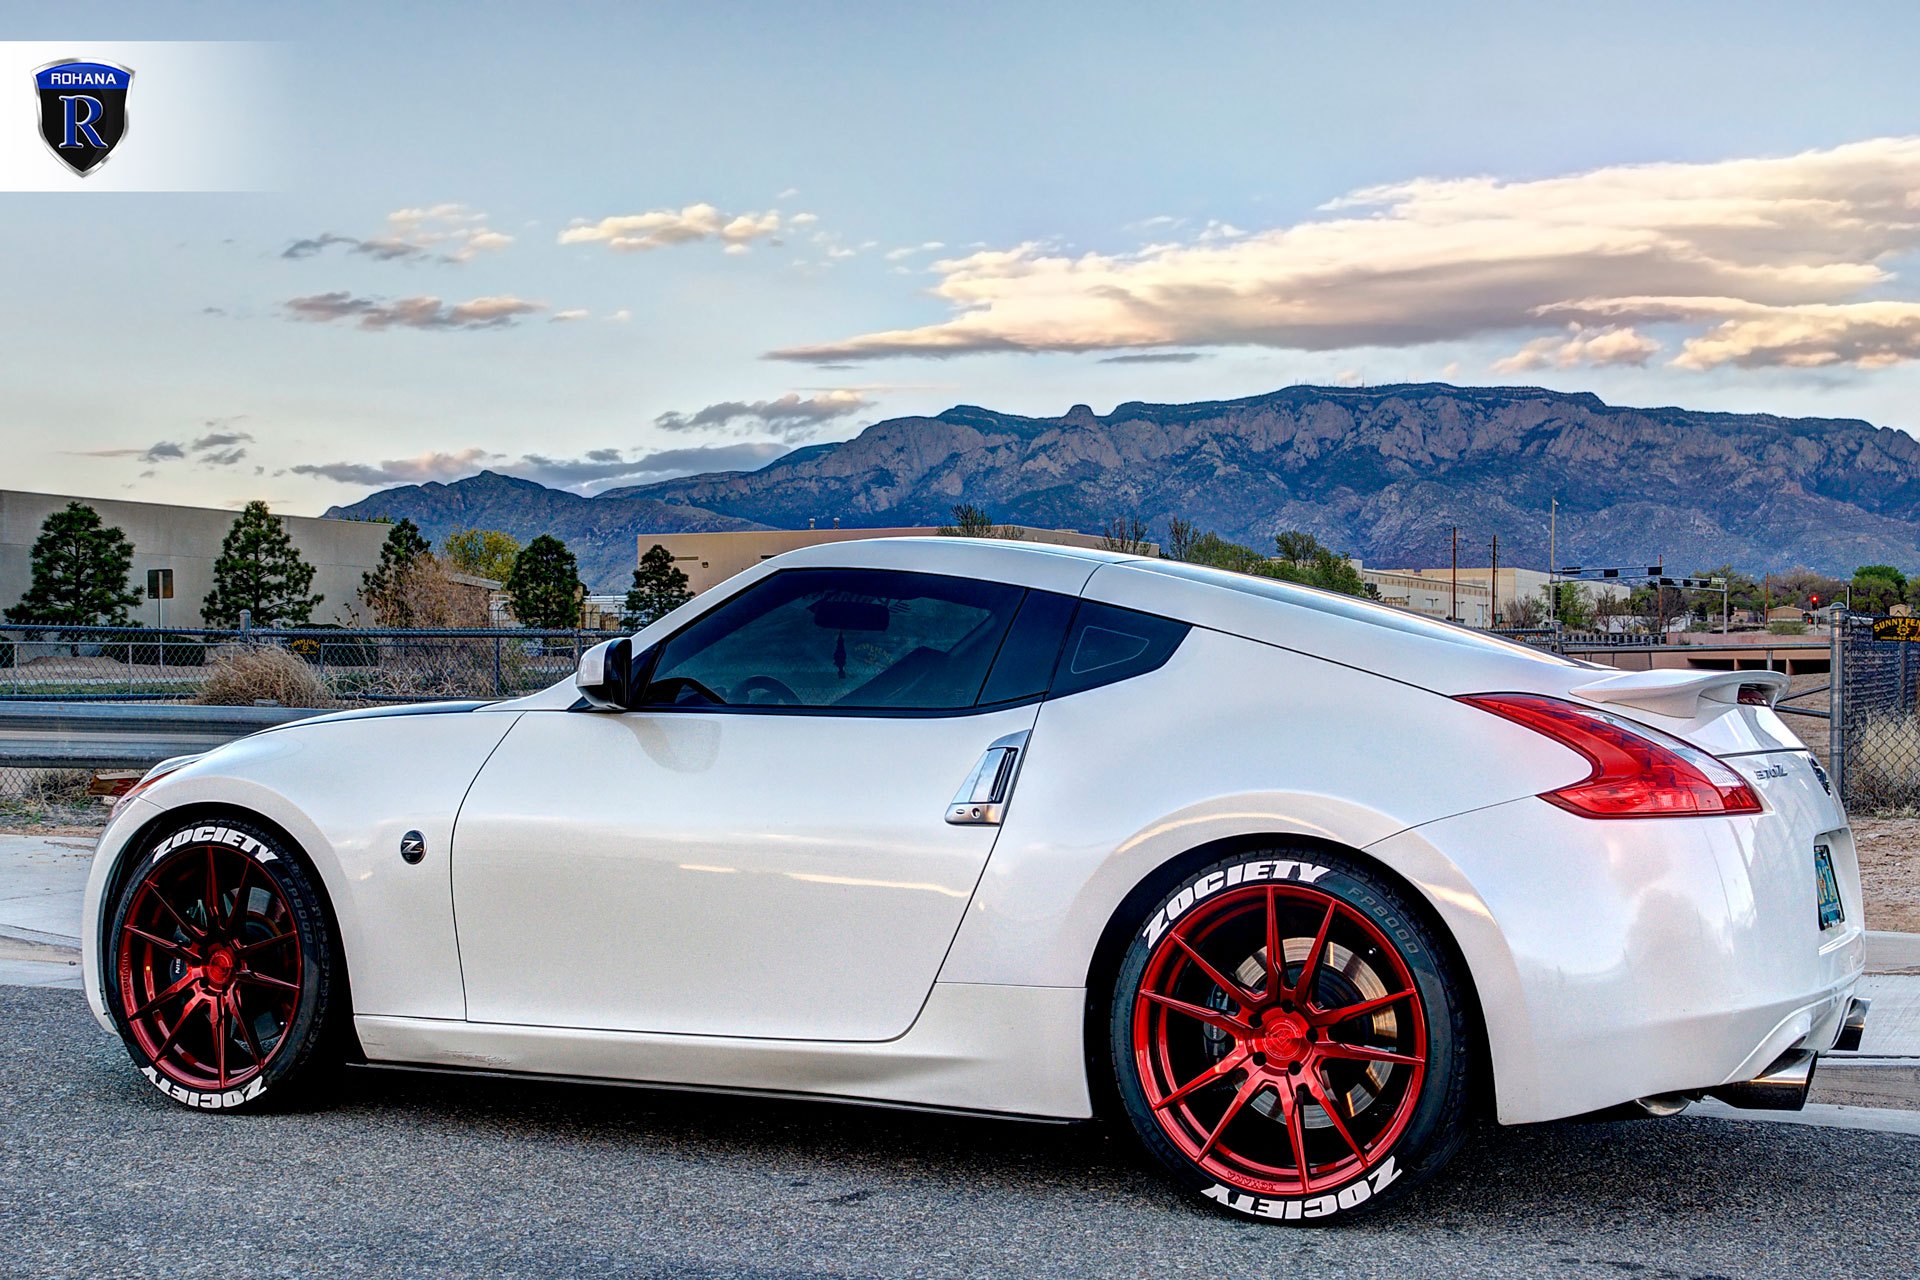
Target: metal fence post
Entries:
(1837, 704)
(499, 682)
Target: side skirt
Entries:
(978, 1048)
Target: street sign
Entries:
(1896, 629)
(159, 584)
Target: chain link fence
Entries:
(350, 668)
(1878, 682)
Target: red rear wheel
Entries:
(1275, 1037)
(221, 960)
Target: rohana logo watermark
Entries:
(83, 110)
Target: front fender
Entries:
(345, 792)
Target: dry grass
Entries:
(1884, 760)
(252, 674)
(35, 799)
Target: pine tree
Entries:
(659, 587)
(80, 569)
(384, 586)
(544, 587)
(259, 570)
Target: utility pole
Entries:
(1453, 609)
(1553, 566)
(1493, 587)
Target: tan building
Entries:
(1431, 592)
(709, 559)
(187, 540)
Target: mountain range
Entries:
(1383, 473)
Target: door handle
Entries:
(981, 800)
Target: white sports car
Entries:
(1298, 883)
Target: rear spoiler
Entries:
(1679, 693)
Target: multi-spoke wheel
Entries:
(221, 965)
(1287, 1038)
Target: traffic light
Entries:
(1816, 599)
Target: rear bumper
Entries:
(1620, 960)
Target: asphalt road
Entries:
(418, 1175)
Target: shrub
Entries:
(50, 797)
(1787, 628)
(241, 677)
(1883, 763)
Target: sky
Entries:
(598, 244)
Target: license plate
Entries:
(1831, 912)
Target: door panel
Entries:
(719, 873)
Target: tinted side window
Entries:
(851, 639)
(1107, 644)
(1032, 647)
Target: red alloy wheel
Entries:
(1279, 1077)
(210, 967)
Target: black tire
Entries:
(1210, 1058)
(259, 1011)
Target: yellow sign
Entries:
(1896, 628)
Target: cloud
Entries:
(221, 439)
(1867, 335)
(222, 457)
(164, 451)
(601, 469)
(1773, 261)
(412, 313)
(660, 228)
(1611, 345)
(436, 233)
(419, 469)
(571, 313)
(314, 244)
(791, 416)
(595, 470)
(1155, 357)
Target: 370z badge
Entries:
(83, 110)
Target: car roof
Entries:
(1347, 629)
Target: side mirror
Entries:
(605, 676)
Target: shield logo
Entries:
(83, 110)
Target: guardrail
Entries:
(68, 735)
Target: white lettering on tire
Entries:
(1214, 881)
(208, 1101)
(1292, 1209)
(217, 835)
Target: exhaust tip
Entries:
(1854, 1025)
(1781, 1087)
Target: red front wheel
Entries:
(222, 966)
(1288, 1040)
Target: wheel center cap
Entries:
(221, 963)
(1283, 1037)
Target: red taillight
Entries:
(1638, 772)
(1755, 695)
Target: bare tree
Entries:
(1525, 612)
(1181, 536)
(1125, 534)
(970, 521)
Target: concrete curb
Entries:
(1889, 952)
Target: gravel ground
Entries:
(412, 1175)
(1890, 871)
